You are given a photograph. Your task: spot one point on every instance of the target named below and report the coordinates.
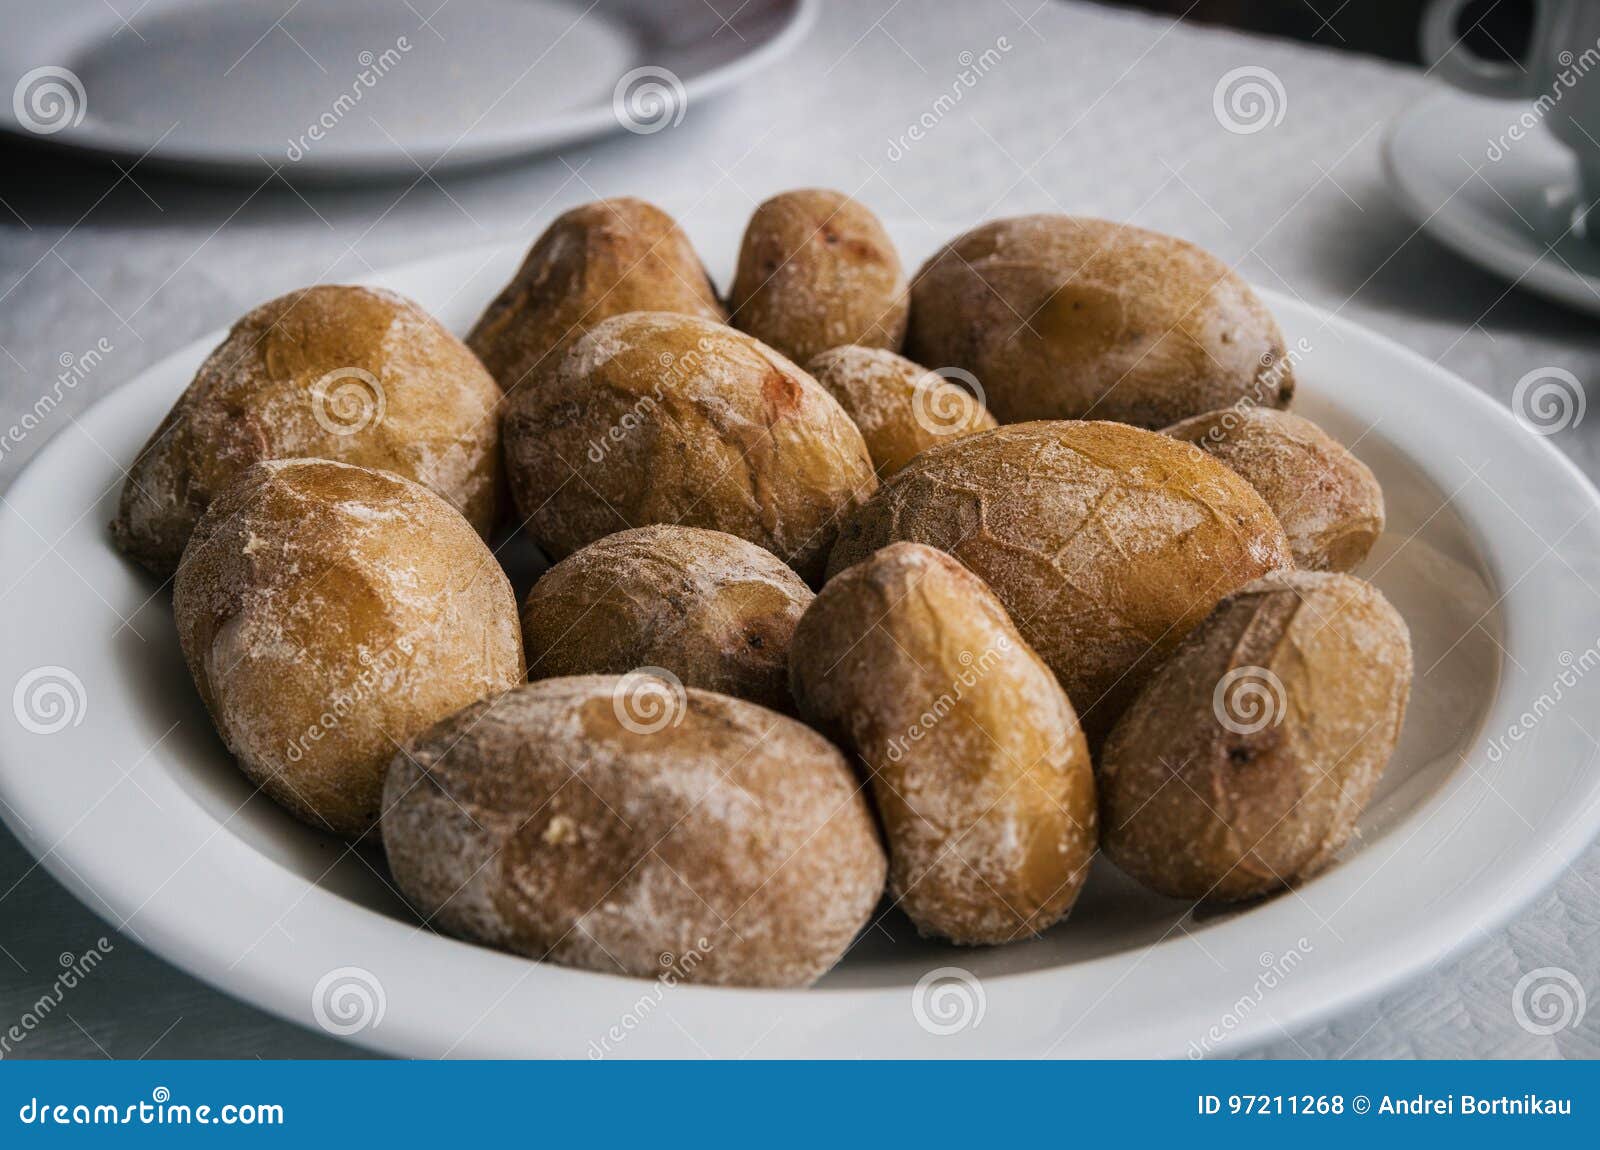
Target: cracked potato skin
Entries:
(1245, 762)
(1328, 501)
(1062, 317)
(979, 770)
(1105, 542)
(661, 418)
(593, 262)
(817, 271)
(726, 843)
(713, 609)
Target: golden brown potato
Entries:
(979, 769)
(327, 614)
(901, 409)
(1067, 318)
(357, 375)
(632, 826)
(660, 418)
(1247, 758)
(593, 262)
(1329, 503)
(1105, 543)
(712, 609)
(817, 271)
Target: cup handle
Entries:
(1447, 52)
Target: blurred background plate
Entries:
(367, 89)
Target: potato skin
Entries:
(980, 771)
(710, 837)
(817, 271)
(902, 409)
(1328, 501)
(593, 262)
(1246, 760)
(1062, 317)
(714, 610)
(1105, 543)
(327, 612)
(660, 418)
(353, 374)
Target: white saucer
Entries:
(368, 88)
(1506, 204)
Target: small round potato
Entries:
(661, 418)
(1106, 543)
(593, 262)
(901, 409)
(632, 826)
(353, 374)
(327, 614)
(817, 271)
(1068, 318)
(712, 609)
(1246, 760)
(1328, 501)
(979, 769)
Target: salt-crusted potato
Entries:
(1244, 763)
(1063, 317)
(593, 262)
(353, 374)
(902, 409)
(327, 614)
(1106, 543)
(978, 766)
(816, 271)
(1328, 501)
(626, 825)
(661, 418)
(712, 609)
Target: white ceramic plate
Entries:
(326, 89)
(1491, 555)
(1514, 214)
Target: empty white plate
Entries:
(369, 88)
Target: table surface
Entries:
(1083, 110)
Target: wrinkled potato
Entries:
(327, 614)
(1106, 543)
(627, 825)
(708, 607)
(1328, 501)
(594, 262)
(660, 418)
(902, 409)
(353, 374)
(980, 771)
(817, 271)
(1061, 317)
(1244, 763)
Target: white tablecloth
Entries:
(1080, 109)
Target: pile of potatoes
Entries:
(859, 585)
